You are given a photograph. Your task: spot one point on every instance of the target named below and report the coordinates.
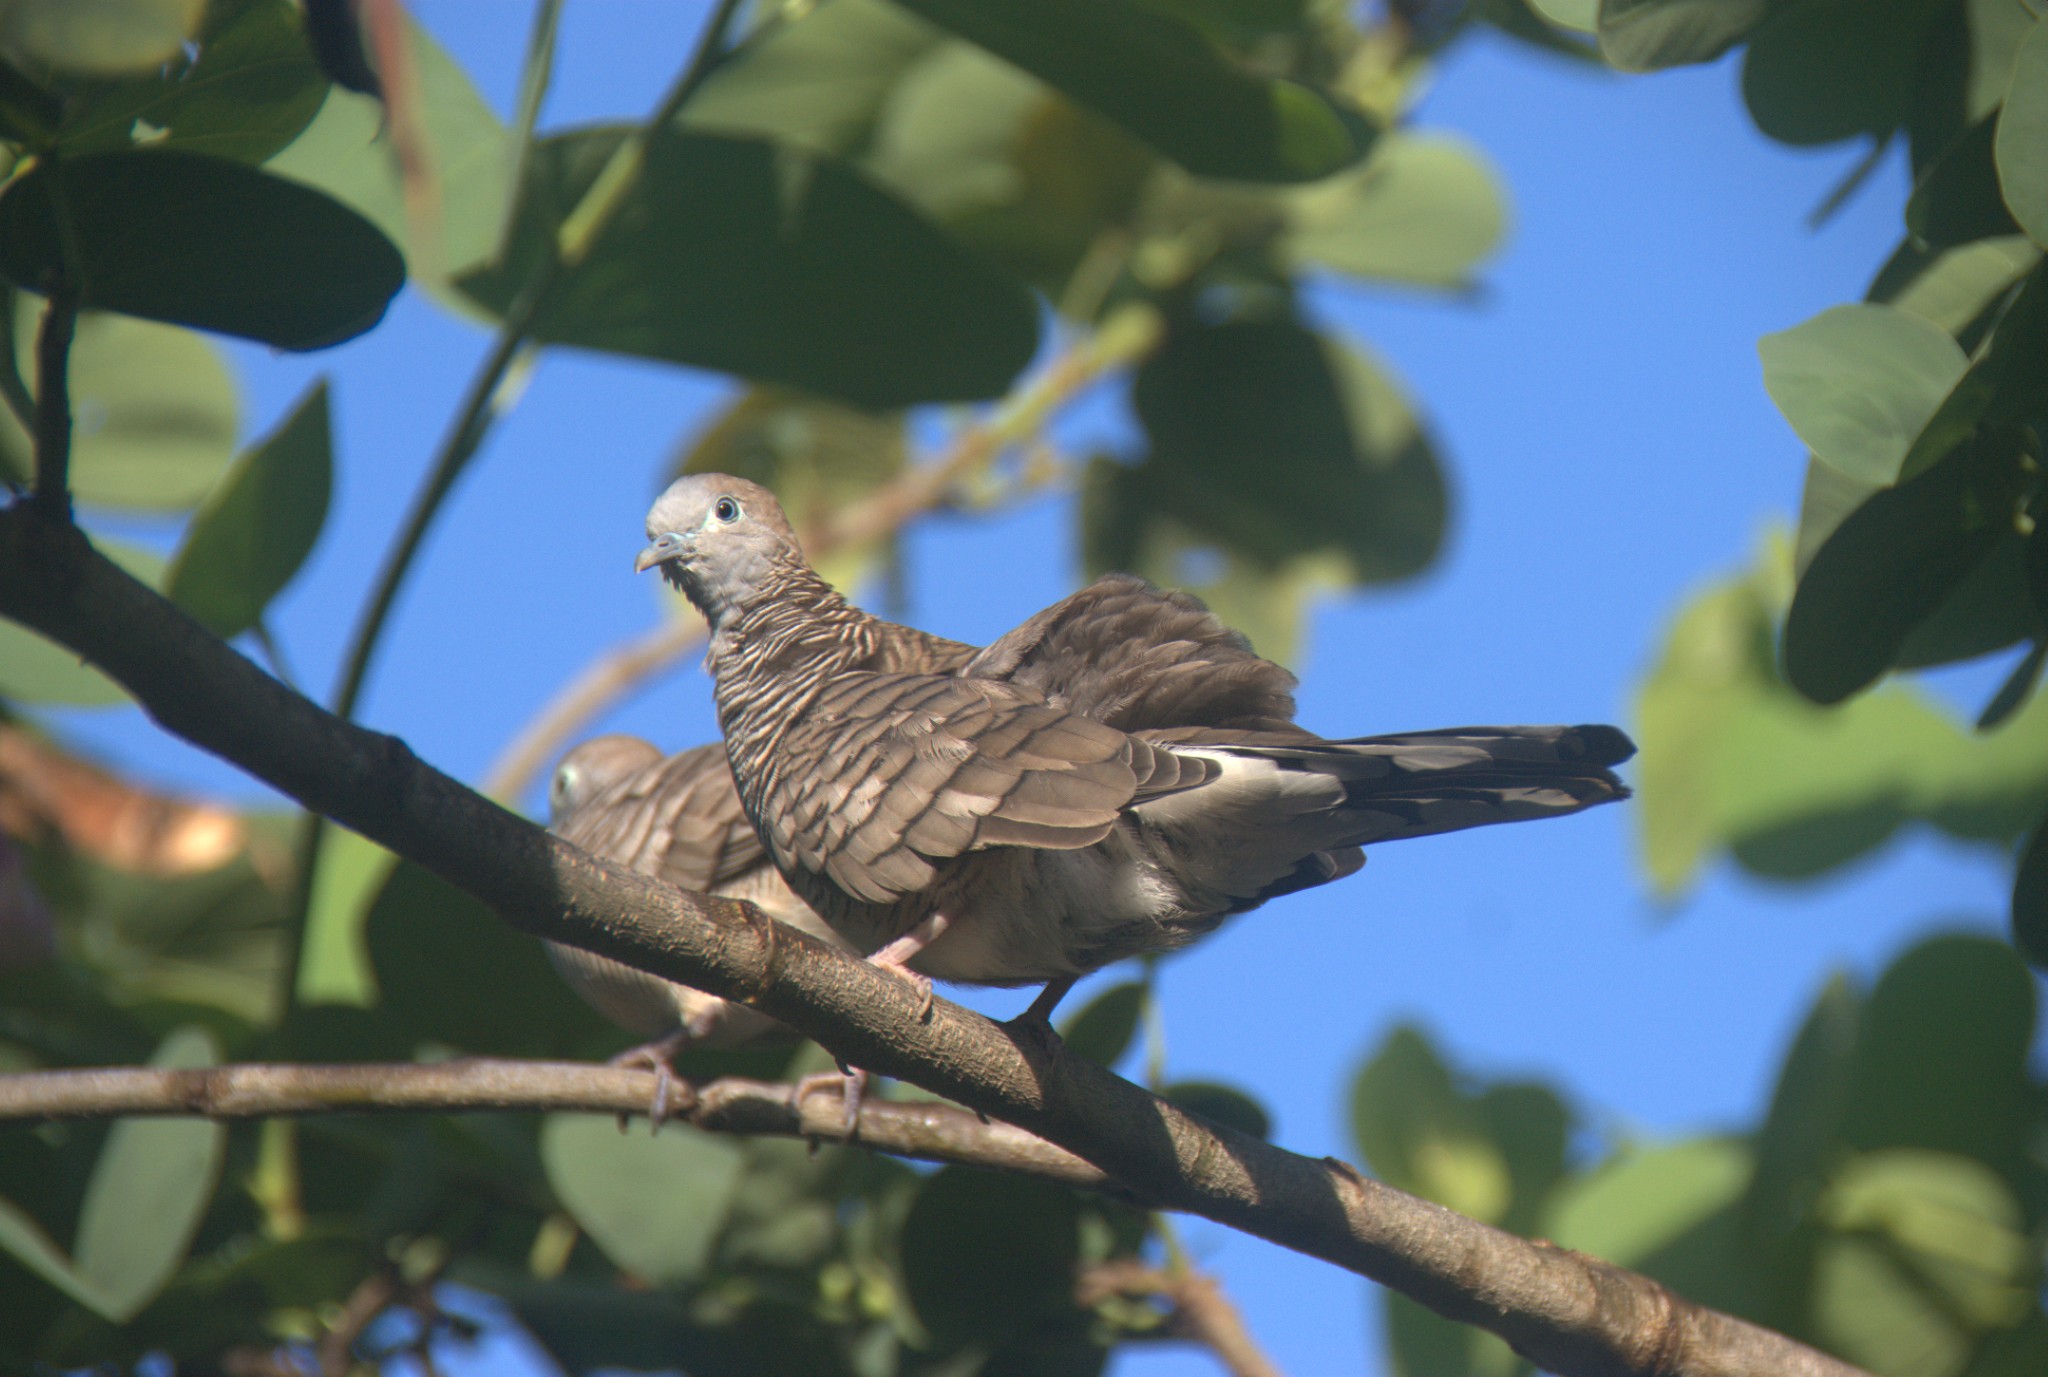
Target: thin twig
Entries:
(600, 685)
(53, 401)
(13, 387)
(372, 1296)
(1201, 1312)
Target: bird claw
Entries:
(850, 1081)
(655, 1056)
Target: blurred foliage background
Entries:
(862, 208)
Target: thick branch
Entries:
(1568, 1313)
(53, 401)
(930, 1132)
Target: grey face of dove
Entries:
(721, 540)
(599, 764)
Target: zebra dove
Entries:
(1092, 786)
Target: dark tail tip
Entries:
(1598, 745)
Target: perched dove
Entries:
(1115, 777)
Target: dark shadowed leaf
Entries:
(1650, 35)
(1224, 1104)
(1893, 562)
(2030, 899)
(1103, 1030)
(200, 241)
(733, 253)
(1821, 70)
(252, 535)
(2007, 383)
(2022, 149)
(2018, 685)
(1956, 200)
(1988, 611)
(1859, 382)
(29, 115)
(149, 1189)
(250, 91)
(155, 411)
(1163, 81)
(654, 1202)
(987, 1255)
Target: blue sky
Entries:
(1611, 449)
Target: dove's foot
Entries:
(895, 958)
(656, 1056)
(1037, 1020)
(851, 1083)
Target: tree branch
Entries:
(929, 1132)
(53, 401)
(1201, 1312)
(1568, 1313)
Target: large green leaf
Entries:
(1650, 35)
(35, 670)
(654, 1202)
(2022, 148)
(1643, 1201)
(102, 37)
(252, 535)
(1859, 382)
(2007, 383)
(733, 253)
(1956, 199)
(201, 241)
(1103, 1029)
(154, 411)
(251, 89)
(1162, 80)
(1894, 561)
(985, 1254)
(1801, 1133)
(1420, 1133)
(149, 1191)
(460, 192)
(1425, 209)
(1821, 70)
(1956, 287)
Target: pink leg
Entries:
(850, 1081)
(895, 957)
(656, 1056)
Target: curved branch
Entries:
(1566, 1312)
(731, 1104)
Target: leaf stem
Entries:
(53, 402)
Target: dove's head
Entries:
(594, 767)
(718, 538)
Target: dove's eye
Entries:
(726, 510)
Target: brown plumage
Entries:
(1116, 776)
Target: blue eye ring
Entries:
(726, 509)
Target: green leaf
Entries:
(252, 535)
(1893, 562)
(35, 670)
(2030, 899)
(250, 91)
(1927, 1251)
(150, 1188)
(1103, 1030)
(1801, 1132)
(347, 153)
(1650, 35)
(1425, 208)
(154, 411)
(1164, 82)
(986, 1255)
(818, 457)
(511, 1001)
(1859, 382)
(1224, 1104)
(29, 115)
(1421, 1135)
(654, 1202)
(349, 872)
(200, 241)
(1822, 70)
(2007, 383)
(1956, 199)
(732, 253)
(2022, 148)
(104, 37)
(1961, 283)
(1644, 1201)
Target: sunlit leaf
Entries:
(250, 91)
(252, 535)
(1650, 35)
(154, 411)
(1165, 83)
(1859, 382)
(1420, 1134)
(149, 1190)
(654, 1202)
(1957, 286)
(98, 36)
(200, 241)
(1424, 208)
(1644, 1201)
(733, 253)
(2022, 148)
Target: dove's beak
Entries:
(666, 547)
